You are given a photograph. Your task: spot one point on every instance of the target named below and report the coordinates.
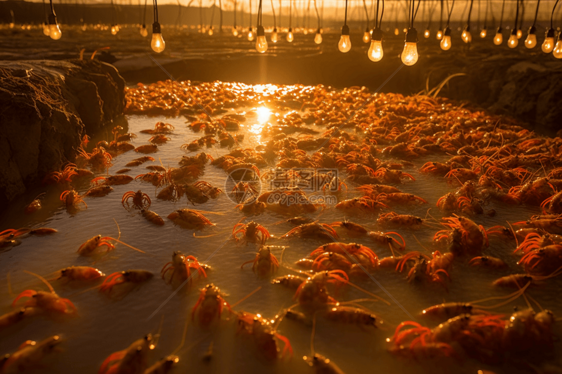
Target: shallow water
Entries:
(105, 325)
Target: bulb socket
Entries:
(275, 29)
(467, 28)
(143, 26)
(345, 30)
(532, 30)
(549, 33)
(290, 29)
(499, 30)
(447, 31)
(156, 29)
(377, 35)
(260, 31)
(514, 32)
(318, 31)
(52, 19)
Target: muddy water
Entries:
(105, 325)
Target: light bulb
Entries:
(344, 45)
(261, 41)
(409, 55)
(445, 43)
(366, 37)
(548, 44)
(274, 36)
(396, 31)
(157, 43)
(235, 31)
(211, 32)
(439, 35)
(375, 52)
(12, 25)
(144, 31)
(426, 34)
(446, 40)
(45, 29)
(557, 52)
(318, 37)
(54, 31)
(531, 40)
(466, 35)
(290, 36)
(483, 33)
(84, 27)
(321, 30)
(519, 33)
(512, 42)
(114, 30)
(498, 39)
(305, 32)
(251, 35)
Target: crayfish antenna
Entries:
(509, 298)
(42, 280)
(245, 297)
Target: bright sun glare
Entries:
(263, 115)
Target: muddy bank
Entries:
(46, 108)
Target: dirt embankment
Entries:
(46, 108)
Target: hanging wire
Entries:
(486, 14)
(366, 11)
(290, 13)
(235, 14)
(259, 13)
(536, 12)
(345, 19)
(451, 11)
(441, 17)
(470, 13)
(376, 16)
(322, 14)
(431, 10)
(280, 15)
(144, 14)
(274, 20)
(552, 14)
(522, 14)
(516, 16)
(213, 13)
(250, 14)
(317, 14)
(501, 16)
(416, 12)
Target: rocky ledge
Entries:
(45, 109)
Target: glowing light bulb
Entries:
(290, 36)
(531, 40)
(251, 35)
(344, 45)
(84, 27)
(427, 34)
(445, 43)
(114, 29)
(512, 42)
(446, 40)
(439, 35)
(396, 31)
(375, 52)
(498, 39)
(318, 37)
(234, 31)
(261, 41)
(409, 55)
(144, 31)
(12, 25)
(366, 36)
(210, 32)
(274, 36)
(483, 33)
(548, 44)
(466, 36)
(158, 45)
(557, 52)
(54, 31)
(45, 29)
(519, 34)
(305, 32)
(321, 30)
